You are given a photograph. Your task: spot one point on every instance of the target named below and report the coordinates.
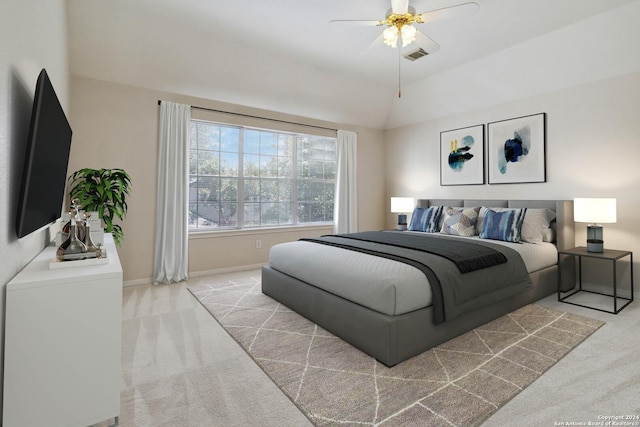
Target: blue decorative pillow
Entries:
(425, 219)
(505, 225)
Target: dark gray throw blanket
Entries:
(487, 279)
(467, 256)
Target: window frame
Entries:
(294, 179)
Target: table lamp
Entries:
(401, 206)
(594, 212)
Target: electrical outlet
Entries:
(258, 244)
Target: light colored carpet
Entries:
(461, 382)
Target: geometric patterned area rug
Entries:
(459, 383)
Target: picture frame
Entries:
(517, 150)
(462, 156)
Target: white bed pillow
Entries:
(536, 227)
(548, 235)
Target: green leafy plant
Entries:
(104, 191)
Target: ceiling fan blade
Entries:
(449, 12)
(356, 22)
(426, 43)
(374, 46)
(399, 6)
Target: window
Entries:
(243, 177)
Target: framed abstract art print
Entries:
(516, 151)
(462, 156)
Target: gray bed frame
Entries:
(393, 339)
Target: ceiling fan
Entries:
(400, 20)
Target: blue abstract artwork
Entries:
(459, 153)
(462, 156)
(517, 150)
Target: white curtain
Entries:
(171, 252)
(345, 213)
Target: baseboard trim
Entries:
(225, 270)
(136, 282)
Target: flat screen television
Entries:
(46, 161)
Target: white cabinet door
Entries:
(62, 343)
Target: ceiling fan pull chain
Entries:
(399, 85)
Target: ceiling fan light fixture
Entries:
(390, 36)
(399, 21)
(408, 33)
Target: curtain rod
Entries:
(258, 117)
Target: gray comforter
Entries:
(454, 292)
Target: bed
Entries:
(391, 309)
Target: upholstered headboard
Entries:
(564, 224)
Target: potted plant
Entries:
(103, 191)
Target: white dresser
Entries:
(63, 332)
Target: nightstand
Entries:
(610, 255)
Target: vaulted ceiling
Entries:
(285, 56)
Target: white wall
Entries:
(592, 150)
(33, 36)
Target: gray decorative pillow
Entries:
(460, 221)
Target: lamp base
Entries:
(402, 222)
(595, 246)
(594, 238)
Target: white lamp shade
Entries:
(402, 204)
(594, 211)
